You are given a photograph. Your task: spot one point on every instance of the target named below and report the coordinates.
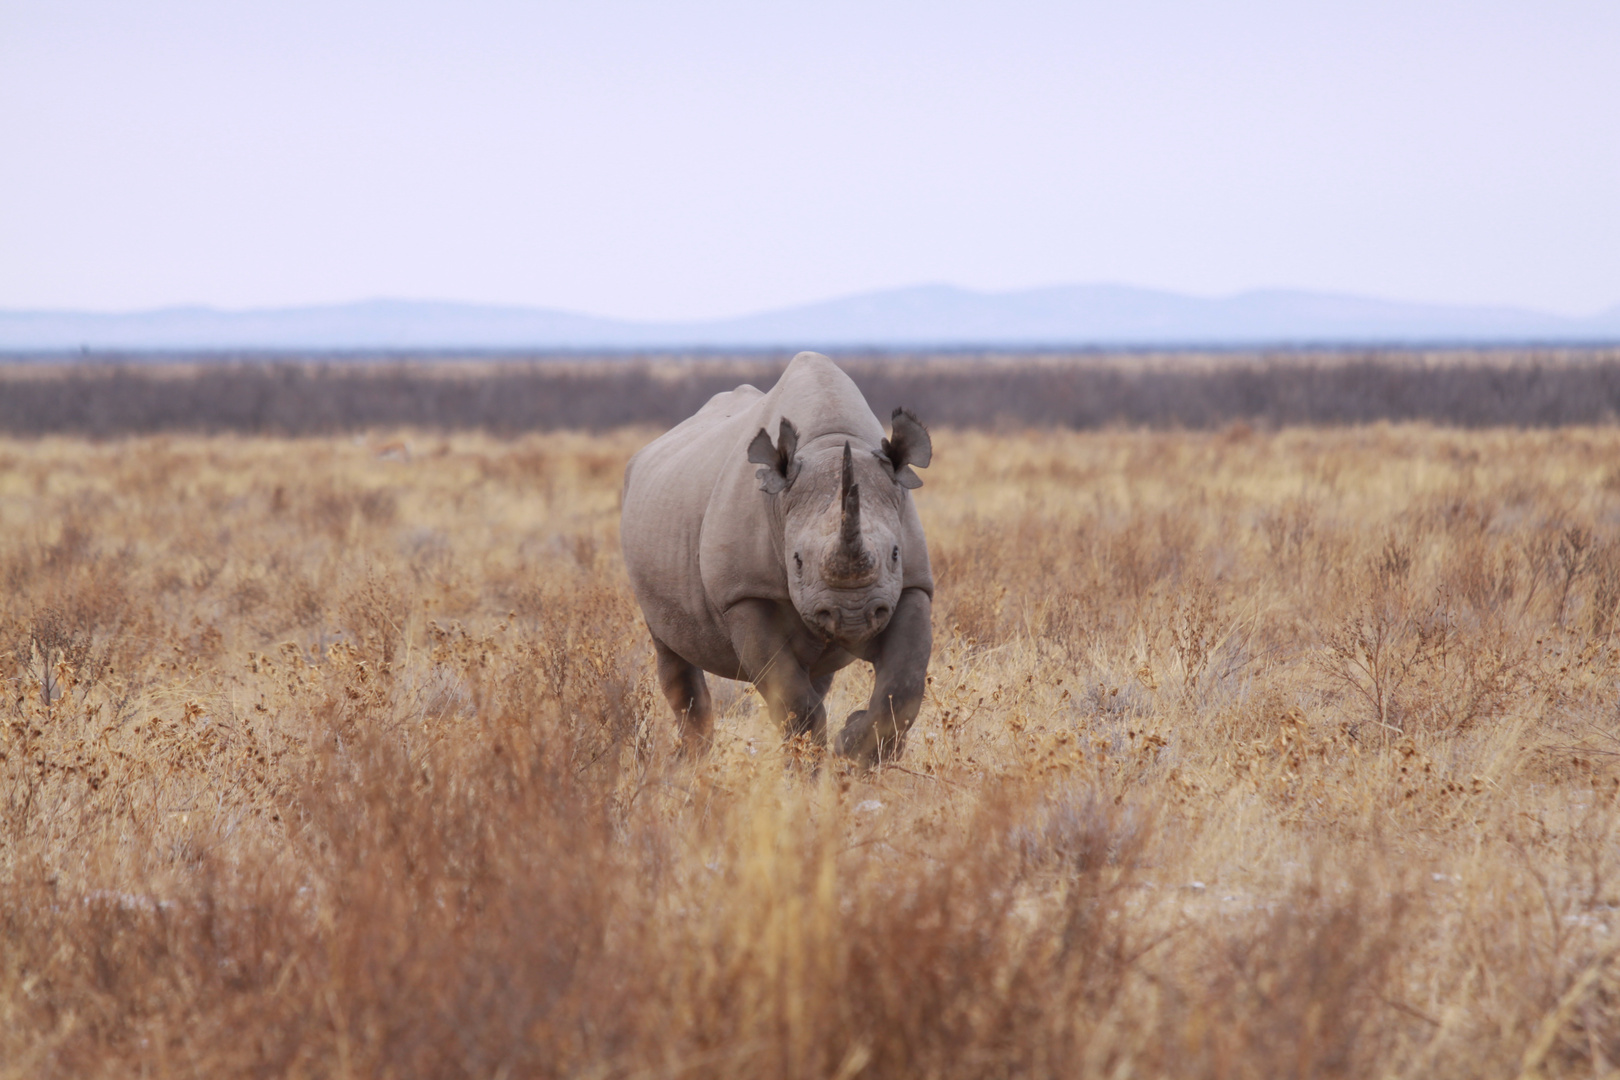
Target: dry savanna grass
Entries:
(1245, 754)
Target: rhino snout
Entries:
(853, 623)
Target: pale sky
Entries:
(693, 160)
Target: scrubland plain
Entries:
(1246, 754)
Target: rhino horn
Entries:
(850, 562)
(849, 533)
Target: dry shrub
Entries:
(375, 615)
(1303, 991)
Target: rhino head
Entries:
(841, 510)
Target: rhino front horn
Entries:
(850, 562)
(849, 532)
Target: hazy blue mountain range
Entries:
(928, 316)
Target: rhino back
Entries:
(667, 489)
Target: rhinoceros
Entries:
(781, 560)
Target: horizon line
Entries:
(1334, 294)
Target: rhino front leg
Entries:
(763, 636)
(687, 692)
(796, 700)
(899, 659)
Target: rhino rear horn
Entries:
(908, 445)
(781, 464)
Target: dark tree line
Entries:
(297, 397)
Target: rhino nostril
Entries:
(824, 619)
(880, 613)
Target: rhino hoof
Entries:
(694, 745)
(857, 740)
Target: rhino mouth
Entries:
(850, 623)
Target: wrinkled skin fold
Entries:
(772, 538)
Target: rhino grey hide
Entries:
(772, 538)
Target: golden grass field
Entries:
(1246, 754)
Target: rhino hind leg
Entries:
(687, 692)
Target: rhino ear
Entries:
(908, 445)
(781, 466)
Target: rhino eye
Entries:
(798, 563)
(895, 554)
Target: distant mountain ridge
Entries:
(919, 317)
